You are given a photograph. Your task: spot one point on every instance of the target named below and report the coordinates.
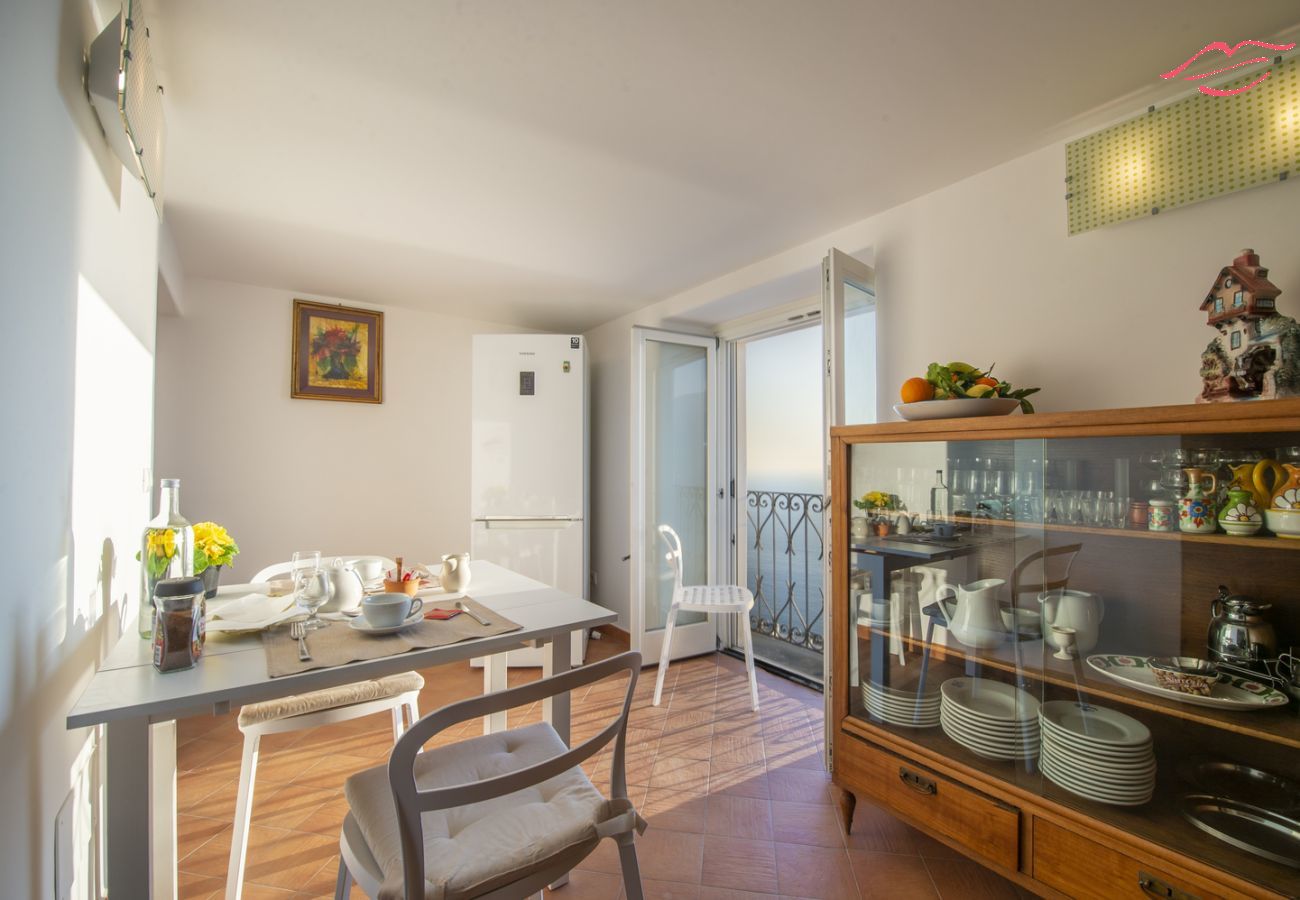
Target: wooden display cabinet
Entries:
(1060, 484)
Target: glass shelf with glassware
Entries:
(1057, 609)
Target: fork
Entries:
(298, 630)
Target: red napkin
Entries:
(442, 613)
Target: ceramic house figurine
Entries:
(1256, 353)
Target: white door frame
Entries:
(696, 638)
(837, 268)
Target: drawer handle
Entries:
(918, 783)
(1156, 888)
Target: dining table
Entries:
(138, 707)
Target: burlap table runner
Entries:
(340, 643)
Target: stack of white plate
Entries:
(1097, 753)
(989, 718)
(900, 706)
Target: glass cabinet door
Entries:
(1104, 622)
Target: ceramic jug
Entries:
(1240, 514)
(1072, 609)
(1196, 507)
(1250, 475)
(346, 589)
(973, 615)
(1286, 492)
(455, 572)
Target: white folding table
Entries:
(139, 707)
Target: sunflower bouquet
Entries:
(875, 500)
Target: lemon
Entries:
(978, 390)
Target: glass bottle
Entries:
(166, 549)
(938, 498)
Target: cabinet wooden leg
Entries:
(848, 801)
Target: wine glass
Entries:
(311, 586)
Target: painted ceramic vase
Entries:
(1160, 515)
(1240, 515)
(1196, 508)
(1287, 494)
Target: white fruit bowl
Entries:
(957, 408)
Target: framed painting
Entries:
(338, 353)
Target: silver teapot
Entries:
(1239, 633)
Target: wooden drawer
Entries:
(984, 825)
(1082, 868)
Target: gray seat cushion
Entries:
(471, 850)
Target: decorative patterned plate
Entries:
(1230, 693)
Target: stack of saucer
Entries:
(989, 718)
(900, 706)
(1097, 753)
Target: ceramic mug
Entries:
(370, 568)
(388, 610)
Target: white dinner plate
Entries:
(932, 695)
(903, 712)
(900, 705)
(1143, 764)
(1118, 780)
(1103, 784)
(361, 625)
(958, 408)
(998, 749)
(1231, 692)
(1130, 758)
(989, 726)
(1123, 798)
(1092, 748)
(1095, 724)
(988, 699)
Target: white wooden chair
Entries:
(398, 694)
(497, 817)
(728, 598)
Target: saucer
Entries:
(361, 625)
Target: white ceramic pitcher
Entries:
(973, 615)
(455, 572)
(1072, 609)
(346, 589)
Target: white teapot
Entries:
(346, 589)
(973, 615)
(455, 573)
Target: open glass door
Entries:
(849, 349)
(673, 468)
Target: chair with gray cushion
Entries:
(498, 816)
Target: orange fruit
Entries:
(916, 389)
(991, 382)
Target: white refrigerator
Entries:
(528, 464)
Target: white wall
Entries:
(284, 474)
(983, 271)
(78, 277)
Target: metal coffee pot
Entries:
(1239, 633)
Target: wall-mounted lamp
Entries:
(1191, 150)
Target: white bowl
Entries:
(1283, 522)
(1030, 621)
(957, 408)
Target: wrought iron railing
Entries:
(784, 568)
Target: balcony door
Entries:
(674, 445)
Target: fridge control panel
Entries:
(527, 384)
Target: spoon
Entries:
(473, 615)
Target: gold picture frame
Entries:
(338, 353)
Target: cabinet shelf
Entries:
(1257, 541)
(1279, 726)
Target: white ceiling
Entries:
(556, 164)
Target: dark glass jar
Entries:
(178, 623)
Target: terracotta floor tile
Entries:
(739, 864)
(876, 830)
(798, 785)
(806, 823)
(189, 885)
(750, 781)
(679, 773)
(969, 881)
(815, 872)
(676, 810)
(707, 892)
(885, 876)
(193, 832)
(286, 859)
(285, 807)
(739, 817)
(670, 855)
(669, 890)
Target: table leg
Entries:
(494, 679)
(557, 660)
(126, 787)
(162, 808)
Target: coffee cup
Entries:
(370, 568)
(944, 529)
(389, 610)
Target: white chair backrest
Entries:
(674, 556)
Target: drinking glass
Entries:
(311, 586)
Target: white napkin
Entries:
(252, 612)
